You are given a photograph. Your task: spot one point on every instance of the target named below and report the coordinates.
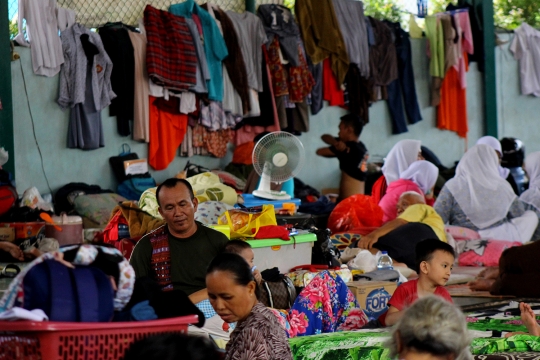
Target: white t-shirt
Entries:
(526, 49)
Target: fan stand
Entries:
(263, 191)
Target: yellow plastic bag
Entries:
(246, 223)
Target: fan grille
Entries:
(277, 143)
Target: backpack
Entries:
(80, 294)
(133, 187)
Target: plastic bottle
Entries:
(384, 262)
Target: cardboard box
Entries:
(25, 230)
(373, 296)
(7, 234)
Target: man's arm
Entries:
(367, 242)
(329, 139)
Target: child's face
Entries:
(249, 256)
(439, 268)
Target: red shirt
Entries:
(407, 293)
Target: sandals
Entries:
(9, 271)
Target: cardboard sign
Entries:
(136, 166)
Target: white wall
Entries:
(63, 165)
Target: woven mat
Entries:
(462, 290)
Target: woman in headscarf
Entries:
(420, 177)
(479, 199)
(503, 172)
(531, 197)
(402, 155)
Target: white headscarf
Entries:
(422, 173)
(532, 167)
(496, 145)
(479, 190)
(402, 155)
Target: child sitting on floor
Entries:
(434, 260)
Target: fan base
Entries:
(272, 195)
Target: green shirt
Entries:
(190, 258)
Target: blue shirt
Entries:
(214, 45)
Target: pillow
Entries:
(343, 240)
(97, 207)
(482, 252)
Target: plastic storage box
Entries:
(49, 340)
(250, 201)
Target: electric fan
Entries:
(277, 157)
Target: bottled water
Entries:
(385, 261)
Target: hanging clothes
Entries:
(170, 52)
(382, 55)
(42, 30)
(234, 62)
(322, 36)
(203, 73)
(214, 45)
(332, 91)
(167, 131)
(435, 37)
(279, 22)
(404, 85)
(85, 86)
(141, 110)
(251, 37)
(477, 27)
(118, 45)
(317, 91)
(352, 23)
(452, 110)
(358, 90)
(526, 48)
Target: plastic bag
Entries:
(355, 212)
(247, 222)
(364, 260)
(32, 198)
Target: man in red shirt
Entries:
(434, 260)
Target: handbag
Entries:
(117, 162)
(278, 294)
(246, 223)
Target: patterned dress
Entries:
(259, 337)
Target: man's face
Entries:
(178, 210)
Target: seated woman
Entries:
(531, 197)
(479, 199)
(400, 157)
(232, 291)
(416, 222)
(503, 172)
(431, 328)
(325, 305)
(420, 177)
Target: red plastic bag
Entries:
(356, 211)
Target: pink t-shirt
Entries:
(393, 192)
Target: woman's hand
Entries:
(257, 275)
(12, 249)
(367, 241)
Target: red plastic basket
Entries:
(49, 340)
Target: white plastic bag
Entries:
(33, 199)
(364, 260)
